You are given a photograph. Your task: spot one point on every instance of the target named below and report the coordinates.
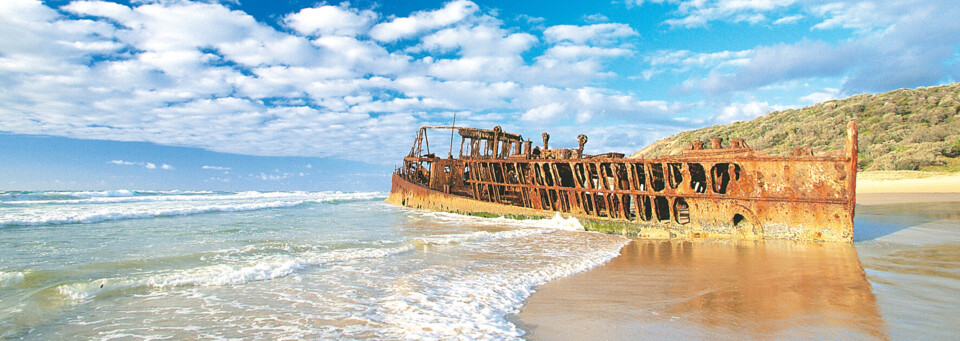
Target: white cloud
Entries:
(862, 16)
(596, 33)
(895, 44)
(357, 85)
(272, 177)
(632, 3)
(779, 63)
(596, 17)
(824, 95)
(790, 19)
(331, 20)
(744, 111)
(147, 165)
(422, 21)
(546, 112)
(696, 13)
(219, 168)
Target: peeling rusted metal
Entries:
(717, 192)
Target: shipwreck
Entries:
(726, 190)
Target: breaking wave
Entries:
(557, 222)
(6, 196)
(9, 279)
(86, 211)
(472, 303)
(263, 268)
(172, 196)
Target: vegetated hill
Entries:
(906, 129)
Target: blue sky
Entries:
(307, 95)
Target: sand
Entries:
(907, 182)
(701, 289)
(880, 188)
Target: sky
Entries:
(308, 95)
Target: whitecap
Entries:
(472, 303)
(262, 268)
(106, 209)
(9, 279)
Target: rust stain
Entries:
(732, 192)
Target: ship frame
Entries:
(718, 192)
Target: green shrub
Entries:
(901, 129)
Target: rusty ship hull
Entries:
(732, 192)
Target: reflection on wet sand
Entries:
(911, 254)
(711, 289)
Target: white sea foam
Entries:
(9, 279)
(116, 208)
(479, 236)
(263, 268)
(171, 196)
(86, 215)
(269, 266)
(472, 303)
(556, 222)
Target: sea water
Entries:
(271, 265)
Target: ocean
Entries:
(272, 265)
(148, 265)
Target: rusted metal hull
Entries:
(712, 193)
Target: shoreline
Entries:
(914, 182)
(709, 288)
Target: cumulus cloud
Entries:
(680, 61)
(697, 13)
(596, 33)
(345, 82)
(744, 111)
(331, 20)
(341, 82)
(422, 21)
(783, 62)
(219, 168)
(894, 44)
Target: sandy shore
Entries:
(879, 188)
(907, 182)
(731, 290)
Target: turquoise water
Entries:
(186, 265)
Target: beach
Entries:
(898, 280)
(346, 265)
(270, 265)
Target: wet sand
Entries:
(900, 279)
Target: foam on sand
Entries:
(472, 303)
